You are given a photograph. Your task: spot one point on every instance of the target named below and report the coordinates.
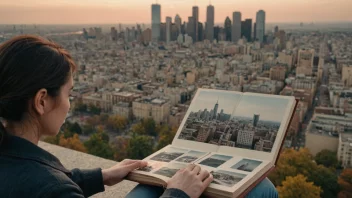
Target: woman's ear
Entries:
(40, 101)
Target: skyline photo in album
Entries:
(235, 136)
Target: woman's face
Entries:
(53, 119)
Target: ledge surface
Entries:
(74, 159)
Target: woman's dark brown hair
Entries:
(28, 64)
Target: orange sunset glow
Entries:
(132, 11)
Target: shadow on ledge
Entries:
(74, 159)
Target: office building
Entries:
(209, 32)
(178, 22)
(246, 29)
(228, 28)
(260, 26)
(168, 29)
(195, 15)
(156, 21)
(236, 27)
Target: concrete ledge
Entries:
(74, 159)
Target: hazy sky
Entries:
(132, 11)
(207, 100)
(271, 109)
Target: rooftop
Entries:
(74, 159)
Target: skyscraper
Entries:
(200, 31)
(255, 119)
(178, 22)
(195, 15)
(190, 27)
(236, 27)
(228, 27)
(215, 110)
(246, 29)
(209, 32)
(168, 29)
(156, 20)
(255, 31)
(260, 22)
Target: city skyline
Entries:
(109, 11)
(207, 99)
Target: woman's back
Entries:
(33, 172)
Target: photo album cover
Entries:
(236, 136)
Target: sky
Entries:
(269, 109)
(207, 100)
(139, 11)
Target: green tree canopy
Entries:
(98, 146)
(149, 126)
(327, 158)
(140, 146)
(166, 135)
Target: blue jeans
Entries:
(264, 189)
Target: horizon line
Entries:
(278, 22)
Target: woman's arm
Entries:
(90, 181)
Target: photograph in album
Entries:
(170, 170)
(215, 160)
(227, 119)
(246, 165)
(169, 155)
(190, 157)
(226, 178)
(152, 165)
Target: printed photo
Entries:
(169, 154)
(226, 178)
(224, 118)
(246, 165)
(170, 170)
(190, 156)
(215, 160)
(152, 165)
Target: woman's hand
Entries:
(117, 173)
(192, 180)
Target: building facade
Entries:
(156, 20)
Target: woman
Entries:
(35, 85)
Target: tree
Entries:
(140, 146)
(94, 109)
(345, 182)
(116, 122)
(72, 143)
(75, 128)
(80, 107)
(327, 158)
(166, 135)
(96, 145)
(326, 179)
(138, 129)
(291, 163)
(149, 126)
(298, 186)
(120, 145)
(88, 129)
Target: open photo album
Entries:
(236, 136)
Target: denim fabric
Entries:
(264, 189)
(26, 170)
